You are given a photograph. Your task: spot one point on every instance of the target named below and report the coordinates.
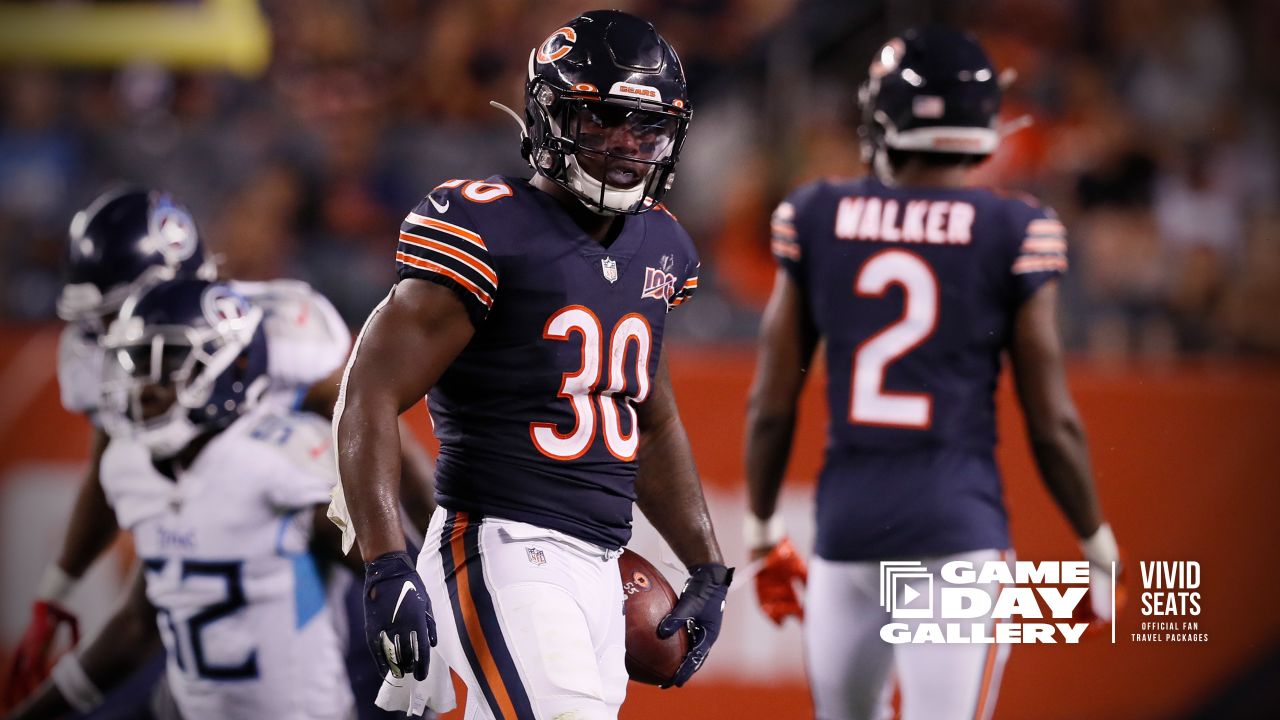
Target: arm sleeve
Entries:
(440, 245)
(1040, 254)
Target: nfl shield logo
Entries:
(536, 556)
(610, 268)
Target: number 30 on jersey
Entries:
(580, 387)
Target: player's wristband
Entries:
(74, 684)
(55, 584)
(1100, 548)
(757, 533)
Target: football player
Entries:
(126, 240)
(531, 313)
(917, 284)
(220, 494)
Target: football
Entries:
(649, 598)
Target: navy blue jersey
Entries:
(536, 417)
(914, 291)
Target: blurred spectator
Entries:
(1154, 136)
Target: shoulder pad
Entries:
(303, 439)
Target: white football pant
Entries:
(530, 618)
(853, 672)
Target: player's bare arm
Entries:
(668, 491)
(1058, 443)
(92, 526)
(1053, 423)
(406, 345)
(127, 639)
(417, 471)
(404, 348)
(670, 495)
(787, 342)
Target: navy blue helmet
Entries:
(931, 90)
(607, 111)
(183, 357)
(125, 239)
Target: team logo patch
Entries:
(536, 557)
(609, 267)
(173, 232)
(220, 305)
(658, 284)
(557, 45)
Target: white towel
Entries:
(408, 695)
(341, 517)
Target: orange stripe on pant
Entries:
(470, 618)
(987, 671)
(989, 668)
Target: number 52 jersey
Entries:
(224, 547)
(914, 291)
(536, 417)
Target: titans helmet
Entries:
(183, 357)
(931, 90)
(607, 110)
(126, 239)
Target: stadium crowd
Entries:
(1154, 136)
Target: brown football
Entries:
(649, 598)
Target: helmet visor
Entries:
(619, 145)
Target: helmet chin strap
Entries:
(612, 198)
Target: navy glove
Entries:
(397, 616)
(700, 608)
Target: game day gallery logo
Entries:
(1030, 602)
(967, 602)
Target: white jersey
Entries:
(306, 341)
(240, 603)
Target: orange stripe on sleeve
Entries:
(429, 266)
(454, 230)
(466, 258)
(1044, 245)
(1032, 264)
(790, 251)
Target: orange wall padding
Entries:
(1187, 458)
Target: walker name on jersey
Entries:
(935, 222)
(983, 603)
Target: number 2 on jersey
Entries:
(578, 387)
(871, 404)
